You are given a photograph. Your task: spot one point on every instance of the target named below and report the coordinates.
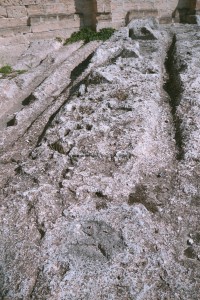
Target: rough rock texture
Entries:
(100, 194)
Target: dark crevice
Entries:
(40, 226)
(103, 251)
(34, 285)
(123, 108)
(144, 34)
(99, 194)
(42, 232)
(124, 53)
(56, 146)
(30, 99)
(115, 58)
(190, 253)
(50, 122)
(73, 89)
(173, 87)
(139, 196)
(42, 112)
(89, 127)
(12, 122)
(19, 170)
(41, 229)
(80, 68)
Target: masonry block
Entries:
(3, 12)
(47, 9)
(54, 22)
(104, 6)
(14, 31)
(12, 22)
(142, 13)
(16, 11)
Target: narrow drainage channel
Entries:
(173, 87)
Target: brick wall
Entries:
(62, 17)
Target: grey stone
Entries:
(100, 190)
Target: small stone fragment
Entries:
(190, 241)
(82, 89)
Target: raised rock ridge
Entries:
(100, 169)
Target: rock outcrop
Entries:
(100, 169)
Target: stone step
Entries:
(141, 13)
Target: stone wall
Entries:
(166, 11)
(62, 17)
(38, 17)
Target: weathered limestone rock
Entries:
(144, 29)
(100, 192)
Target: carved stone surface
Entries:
(99, 169)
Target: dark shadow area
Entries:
(127, 18)
(184, 9)
(77, 71)
(87, 9)
(29, 100)
(12, 122)
(173, 87)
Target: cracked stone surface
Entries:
(100, 194)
